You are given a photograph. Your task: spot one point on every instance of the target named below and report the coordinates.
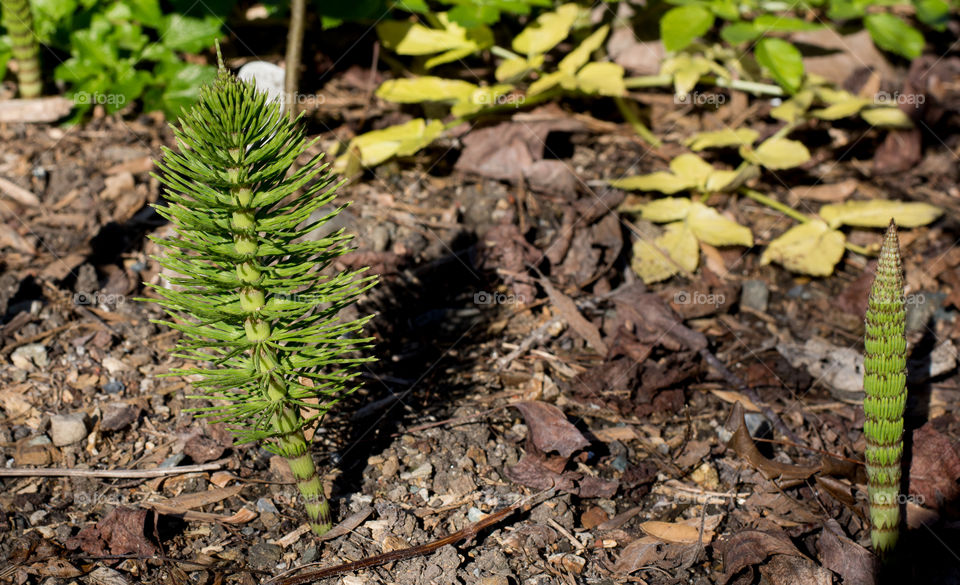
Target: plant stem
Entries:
(298, 11)
(885, 386)
(503, 53)
(630, 115)
(18, 20)
(645, 81)
(774, 204)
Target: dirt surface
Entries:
(519, 359)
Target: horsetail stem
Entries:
(884, 383)
(254, 299)
(18, 20)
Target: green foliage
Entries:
(885, 386)
(253, 301)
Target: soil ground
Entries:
(516, 353)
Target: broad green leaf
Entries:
(739, 32)
(791, 110)
(402, 140)
(425, 89)
(661, 181)
(726, 9)
(933, 13)
(809, 248)
(773, 22)
(721, 138)
(691, 167)
(777, 153)
(188, 34)
(666, 209)
(547, 31)
(672, 252)
(578, 57)
(682, 24)
(887, 117)
(890, 33)
(878, 212)
(783, 61)
(710, 227)
(602, 78)
(518, 68)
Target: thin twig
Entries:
(107, 473)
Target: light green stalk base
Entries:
(295, 449)
(884, 382)
(18, 20)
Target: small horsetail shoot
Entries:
(885, 386)
(256, 303)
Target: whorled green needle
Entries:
(885, 386)
(257, 307)
(18, 20)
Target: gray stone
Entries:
(264, 555)
(30, 356)
(755, 295)
(118, 415)
(66, 429)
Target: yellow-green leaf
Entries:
(722, 138)
(425, 89)
(412, 38)
(546, 82)
(547, 31)
(486, 97)
(578, 57)
(661, 181)
(691, 167)
(726, 181)
(673, 251)
(878, 212)
(791, 110)
(887, 117)
(687, 71)
(603, 78)
(843, 109)
(710, 227)
(517, 68)
(666, 209)
(402, 140)
(809, 248)
(777, 153)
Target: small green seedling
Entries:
(885, 385)
(257, 309)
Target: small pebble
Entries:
(265, 505)
(66, 429)
(309, 555)
(755, 295)
(425, 470)
(113, 386)
(264, 555)
(30, 356)
(475, 514)
(173, 460)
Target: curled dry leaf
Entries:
(752, 547)
(742, 443)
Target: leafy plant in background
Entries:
(885, 386)
(124, 50)
(18, 20)
(253, 302)
(813, 247)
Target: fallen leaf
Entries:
(121, 532)
(549, 430)
(742, 444)
(809, 248)
(752, 547)
(853, 563)
(878, 212)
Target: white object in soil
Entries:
(267, 77)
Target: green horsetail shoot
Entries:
(257, 306)
(885, 385)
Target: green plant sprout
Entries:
(253, 300)
(18, 20)
(885, 385)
